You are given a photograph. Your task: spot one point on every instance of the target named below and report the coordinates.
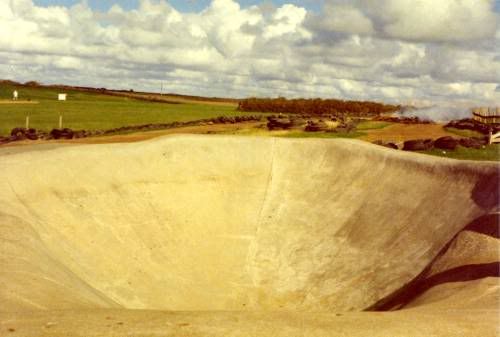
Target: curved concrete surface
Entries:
(192, 223)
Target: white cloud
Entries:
(66, 62)
(443, 20)
(393, 50)
(287, 20)
(346, 19)
(415, 20)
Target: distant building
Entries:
(486, 115)
(61, 97)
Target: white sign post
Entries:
(61, 97)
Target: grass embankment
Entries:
(304, 134)
(262, 131)
(362, 126)
(94, 111)
(489, 153)
(464, 133)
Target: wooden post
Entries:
(27, 121)
(60, 122)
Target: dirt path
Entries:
(401, 132)
(397, 133)
(139, 136)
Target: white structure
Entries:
(486, 115)
(494, 137)
(61, 97)
(15, 95)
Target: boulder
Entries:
(4, 140)
(475, 143)
(18, 133)
(80, 134)
(42, 135)
(31, 134)
(418, 145)
(23, 133)
(446, 143)
(386, 144)
(62, 133)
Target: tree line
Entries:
(316, 106)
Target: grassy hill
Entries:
(92, 110)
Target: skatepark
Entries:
(246, 236)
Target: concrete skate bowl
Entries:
(243, 229)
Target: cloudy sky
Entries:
(422, 51)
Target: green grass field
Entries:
(94, 111)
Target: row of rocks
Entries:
(285, 123)
(309, 124)
(386, 144)
(208, 121)
(320, 125)
(18, 134)
(32, 134)
(418, 145)
(402, 120)
(471, 124)
(443, 143)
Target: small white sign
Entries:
(61, 97)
